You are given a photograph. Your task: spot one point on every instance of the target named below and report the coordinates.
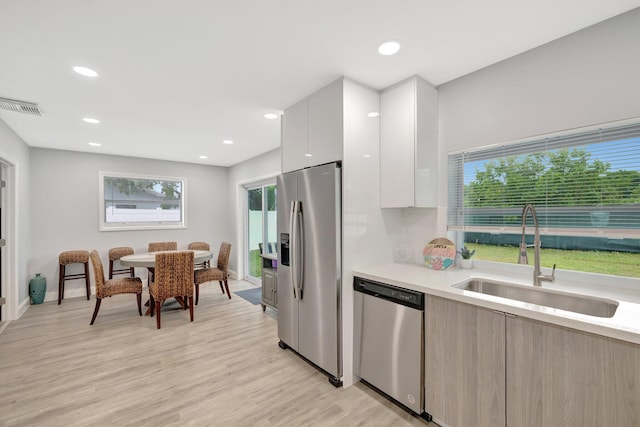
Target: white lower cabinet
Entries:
(487, 368)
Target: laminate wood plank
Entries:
(223, 369)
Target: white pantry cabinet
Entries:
(312, 129)
(409, 145)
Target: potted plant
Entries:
(466, 255)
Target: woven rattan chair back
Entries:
(173, 278)
(223, 257)
(220, 274)
(163, 246)
(98, 272)
(199, 246)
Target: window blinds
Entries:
(584, 183)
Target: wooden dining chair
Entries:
(200, 246)
(221, 274)
(173, 278)
(108, 288)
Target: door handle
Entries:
(293, 246)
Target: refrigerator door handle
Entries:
(300, 251)
(294, 241)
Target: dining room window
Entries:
(129, 201)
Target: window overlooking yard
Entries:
(141, 202)
(585, 187)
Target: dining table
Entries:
(148, 260)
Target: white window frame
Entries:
(140, 225)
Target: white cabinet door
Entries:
(409, 154)
(397, 142)
(294, 137)
(325, 124)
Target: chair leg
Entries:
(197, 292)
(158, 306)
(191, 307)
(60, 284)
(152, 305)
(95, 311)
(139, 298)
(226, 285)
(110, 269)
(132, 272)
(221, 287)
(87, 280)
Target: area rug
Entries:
(253, 295)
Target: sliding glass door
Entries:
(261, 230)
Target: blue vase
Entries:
(37, 289)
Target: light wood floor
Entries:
(224, 369)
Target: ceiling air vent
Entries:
(20, 106)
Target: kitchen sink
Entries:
(591, 306)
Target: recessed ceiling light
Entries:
(271, 116)
(95, 144)
(388, 48)
(308, 154)
(203, 157)
(227, 141)
(373, 114)
(84, 71)
(91, 120)
(367, 155)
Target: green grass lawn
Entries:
(615, 263)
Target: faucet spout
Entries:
(538, 277)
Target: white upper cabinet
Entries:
(409, 145)
(294, 137)
(312, 129)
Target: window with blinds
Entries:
(585, 188)
(583, 184)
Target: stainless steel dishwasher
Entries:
(388, 341)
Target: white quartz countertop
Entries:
(624, 325)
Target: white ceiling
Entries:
(178, 77)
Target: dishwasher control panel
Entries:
(413, 299)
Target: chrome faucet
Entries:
(538, 277)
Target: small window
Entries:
(585, 187)
(141, 202)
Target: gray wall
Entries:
(15, 152)
(586, 78)
(64, 215)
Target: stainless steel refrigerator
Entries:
(310, 266)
